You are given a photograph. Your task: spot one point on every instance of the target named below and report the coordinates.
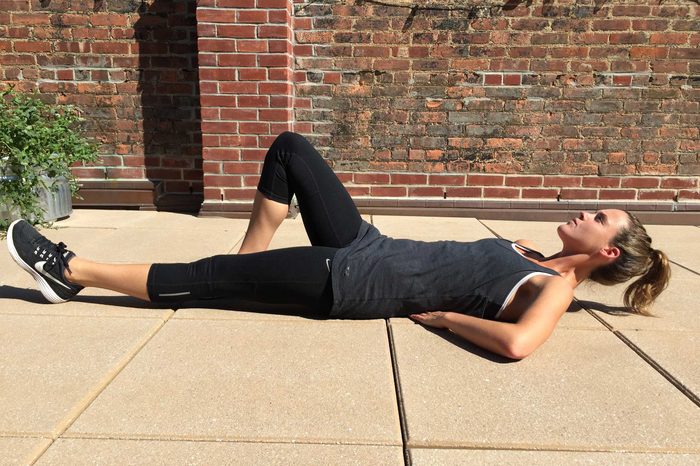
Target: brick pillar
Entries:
(245, 73)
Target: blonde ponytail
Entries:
(637, 259)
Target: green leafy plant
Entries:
(37, 140)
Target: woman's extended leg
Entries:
(297, 279)
(129, 279)
(293, 166)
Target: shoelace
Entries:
(62, 253)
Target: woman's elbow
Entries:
(514, 353)
(518, 349)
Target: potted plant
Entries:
(39, 143)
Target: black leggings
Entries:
(289, 280)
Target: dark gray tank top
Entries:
(376, 276)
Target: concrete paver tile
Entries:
(51, 365)
(677, 352)
(231, 313)
(679, 242)
(581, 390)
(675, 307)
(431, 228)
(176, 222)
(104, 218)
(135, 245)
(250, 381)
(21, 450)
(149, 452)
(94, 303)
(430, 457)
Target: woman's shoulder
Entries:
(527, 243)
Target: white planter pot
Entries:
(56, 205)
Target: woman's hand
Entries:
(435, 319)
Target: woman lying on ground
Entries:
(503, 296)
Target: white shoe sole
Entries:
(44, 286)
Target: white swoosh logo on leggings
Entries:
(328, 264)
(39, 266)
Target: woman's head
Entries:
(625, 247)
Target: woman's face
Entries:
(590, 232)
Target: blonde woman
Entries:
(500, 295)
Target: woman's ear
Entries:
(610, 252)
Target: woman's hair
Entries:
(637, 259)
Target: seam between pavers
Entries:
(493, 232)
(103, 383)
(84, 316)
(551, 448)
(67, 227)
(222, 439)
(399, 396)
(283, 318)
(239, 240)
(684, 267)
(648, 359)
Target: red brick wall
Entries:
(557, 100)
(553, 100)
(132, 68)
(246, 72)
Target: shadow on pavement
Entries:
(35, 296)
(619, 311)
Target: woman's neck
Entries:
(575, 268)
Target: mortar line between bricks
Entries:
(75, 413)
(399, 398)
(648, 359)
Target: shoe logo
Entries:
(328, 264)
(39, 266)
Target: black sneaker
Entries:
(44, 260)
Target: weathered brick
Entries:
(688, 194)
(446, 179)
(618, 194)
(572, 193)
(523, 181)
(426, 192)
(372, 178)
(562, 181)
(474, 179)
(463, 192)
(388, 191)
(509, 193)
(640, 182)
(660, 195)
(539, 193)
(679, 183)
(241, 193)
(600, 182)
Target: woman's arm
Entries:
(495, 336)
(513, 340)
